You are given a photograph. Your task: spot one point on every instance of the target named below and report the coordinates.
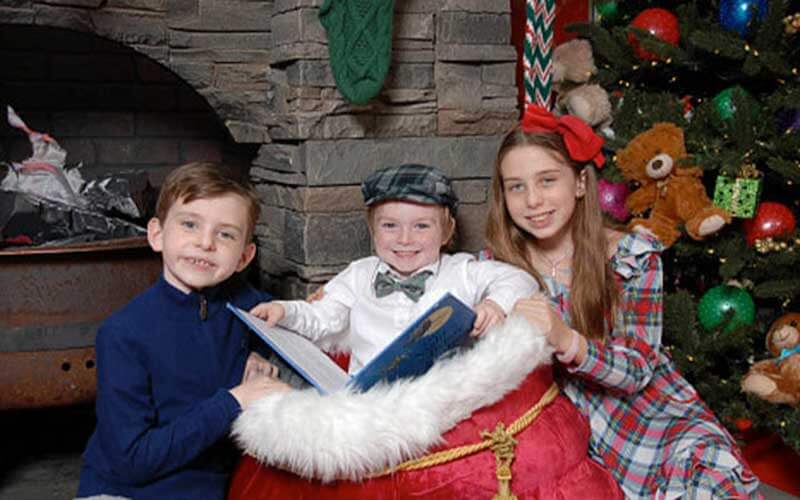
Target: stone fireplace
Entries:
(154, 83)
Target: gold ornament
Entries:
(768, 244)
(791, 23)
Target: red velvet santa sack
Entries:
(488, 421)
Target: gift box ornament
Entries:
(738, 195)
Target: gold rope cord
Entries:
(498, 439)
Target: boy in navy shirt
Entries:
(174, 368)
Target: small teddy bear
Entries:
(573, 67)
(777, 380)
(674, 195)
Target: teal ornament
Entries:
(739, 15)
(728, 305)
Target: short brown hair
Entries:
(202, 180)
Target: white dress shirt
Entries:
(350, 301)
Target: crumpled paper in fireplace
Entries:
(54, 203)
(43, 174)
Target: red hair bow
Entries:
(582, 143)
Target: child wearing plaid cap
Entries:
(411, 216)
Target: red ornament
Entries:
(660, 23)
(743, 424)
(771, 220)
(688, 107)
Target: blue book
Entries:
(442, 327)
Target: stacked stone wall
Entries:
(262, 67)
(449, 95)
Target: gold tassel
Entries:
(450, 454)
(502, 446)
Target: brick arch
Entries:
(218, 48)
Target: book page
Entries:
(305, 357)
(445, 325)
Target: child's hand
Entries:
(269, 312)
(538, 311)
(257, 366)
(248, 392)
(317, 295)
(487, 314)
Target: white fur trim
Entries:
(350, 435)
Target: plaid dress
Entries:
(649, 426)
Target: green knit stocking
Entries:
(359, 45)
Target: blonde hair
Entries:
(203, 180)
(594, 292)
(447, 220)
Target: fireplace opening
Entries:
(111, 108)
(114, 111)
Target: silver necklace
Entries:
(555, 263)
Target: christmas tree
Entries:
(727, 73)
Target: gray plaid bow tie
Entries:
(413, 286)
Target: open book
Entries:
(443, 326)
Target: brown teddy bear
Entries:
(777, 380)
(573, 66)
(674, 194)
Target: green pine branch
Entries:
(777, 289)
(751, 127)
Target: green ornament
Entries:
(726, 303)
(606, 10)
(725, 101)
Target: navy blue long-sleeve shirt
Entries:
(165, 363)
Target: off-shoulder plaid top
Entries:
(649, 426)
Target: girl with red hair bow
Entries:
(603, 316)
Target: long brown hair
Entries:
(593, 292)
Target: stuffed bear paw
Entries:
(711, 225)
(590, 103)
(707, 221)
(777, 379)
(759, 385)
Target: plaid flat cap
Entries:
(410, 182)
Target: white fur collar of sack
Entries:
(349, 435)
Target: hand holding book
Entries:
(270, 312)
(487, 314)
(255, 387)
(442, 327)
